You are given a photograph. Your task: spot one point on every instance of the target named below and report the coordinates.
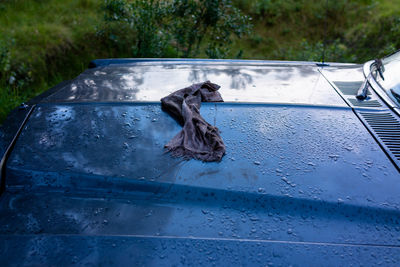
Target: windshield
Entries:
(390, 79)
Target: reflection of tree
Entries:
(242, 75)
(124, 82)
(239, 79)
(107, 84)
(137, 74)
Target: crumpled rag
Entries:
(198, 139)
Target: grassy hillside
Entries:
(47, 41)
(42, 43)
(353, 31)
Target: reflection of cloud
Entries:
(238, 77)
(239, 82)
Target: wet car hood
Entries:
(302, 174)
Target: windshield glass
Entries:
(391, 76)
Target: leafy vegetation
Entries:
(176, 28)
(45, 42)
(41, 44)
(352, 31)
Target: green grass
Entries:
(288, 28)
(44, 25)
(52, 40)
(388, 7)
(9, 100)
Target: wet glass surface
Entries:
(239, 83)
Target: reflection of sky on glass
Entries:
(245, 84)
(391, 75)
(239, 83)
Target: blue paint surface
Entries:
(95, 181)
(303, 183)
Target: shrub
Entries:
(181, 28)
(378, 38)
(13, 78)
(333, 52)
(12, 75)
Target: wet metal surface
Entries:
(347, 81)
(268, 141)
(90, 183)
(291, 174)
(10, 127)
(345, 74)
(7, 152)
(174, 251)
(143, 251)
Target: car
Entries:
(310, 174)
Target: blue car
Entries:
(310, 175)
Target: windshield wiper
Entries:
(395, 94)
(377, 65)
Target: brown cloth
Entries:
(198, 139)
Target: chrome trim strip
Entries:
(9, 149)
